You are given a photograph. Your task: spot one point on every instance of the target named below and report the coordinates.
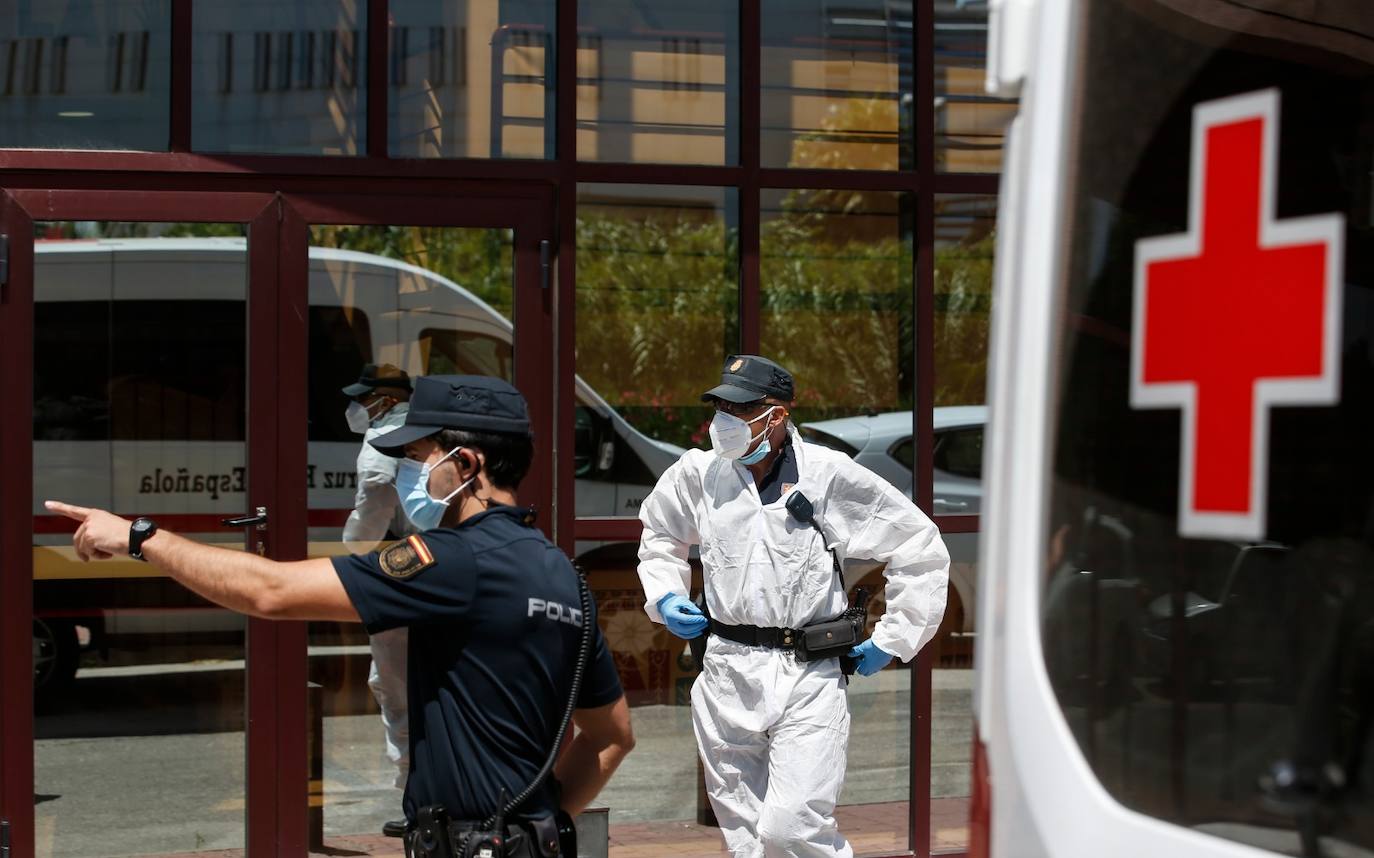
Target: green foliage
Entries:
(479, 260)
(963, 301)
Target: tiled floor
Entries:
(872, 829)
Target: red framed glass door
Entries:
(161, 350)
(419, 284)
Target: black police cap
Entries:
(374, 376)
(749, 378)
(474, 403)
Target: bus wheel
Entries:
(55, 656)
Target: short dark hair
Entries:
(508, 456)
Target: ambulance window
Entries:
(340, 343)
(468, 353)
(1220, 680)
(71, 370)
(137, 371)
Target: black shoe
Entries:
(394, 828)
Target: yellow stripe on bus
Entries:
(60, 563)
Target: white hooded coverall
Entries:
(376, 510)
(772, 732)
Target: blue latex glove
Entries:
(870, 659)
(682, 617)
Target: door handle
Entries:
(951, 504)
(258, 520)
(545, 258)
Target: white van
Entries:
(140, 375)
(1176, 612)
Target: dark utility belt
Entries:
(551, 837)
(828, 639)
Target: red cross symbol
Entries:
(1236, 316)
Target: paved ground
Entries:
(122, 776)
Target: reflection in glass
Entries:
(969, 123)
(287, 78)
(837, 85)
(836, 276)
(471, 79)
(657, 672)
(418, 300)
(657, 311)
(1221, 684)
(964, 239)
(85, 74)
(139, 407)
(658, 81)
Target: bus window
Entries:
(1219, 681)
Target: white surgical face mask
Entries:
(730, 436)
(412, 486)
(359, 416)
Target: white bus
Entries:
(1176, 654)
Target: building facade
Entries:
(214, 214)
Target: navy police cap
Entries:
(472, 403)
(749, 378)
(378, 375)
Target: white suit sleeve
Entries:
(874, 521)
(374, 505)
(669, 519)
(373, 509)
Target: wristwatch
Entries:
(139, 532)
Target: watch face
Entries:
(143, 525)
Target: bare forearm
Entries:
(238, 580)
(584, 769)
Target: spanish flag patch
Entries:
(406, 558)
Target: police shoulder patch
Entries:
(406, 559)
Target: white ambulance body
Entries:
(1176, 610)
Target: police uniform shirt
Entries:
(495, 623)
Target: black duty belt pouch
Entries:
(833, 638)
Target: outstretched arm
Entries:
(238, 580)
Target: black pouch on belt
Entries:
(834, 638)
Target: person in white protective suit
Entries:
(772, 731)
(380, 403)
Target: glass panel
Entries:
(969, 123)
(656, 795)
(413, 300)
(836, 276)
(139, 684)
(1215, 681)
(284, 78)
(837, 85)
(657, 311)
(658, 81)
(472, 79)
(85, 74)
(964, 239)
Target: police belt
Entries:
(549, 837)
(773, 638)
(812, 642)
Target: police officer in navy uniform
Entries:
(491, 604)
